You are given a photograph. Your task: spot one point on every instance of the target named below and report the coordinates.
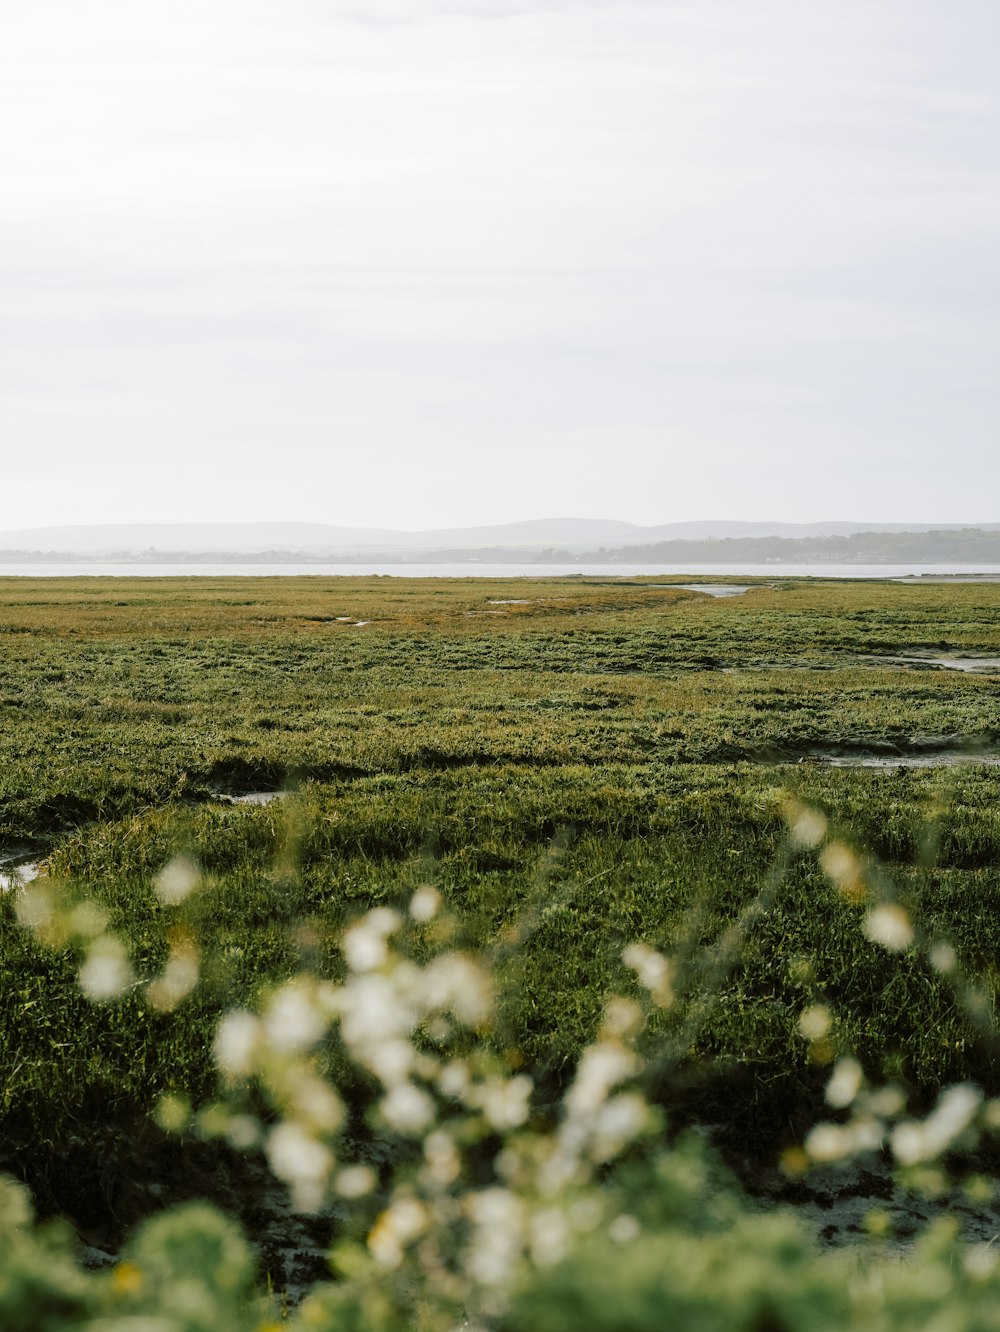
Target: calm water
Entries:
(473, 570)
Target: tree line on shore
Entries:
(957, 546)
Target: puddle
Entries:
(712, 589)
(250, 797)
(509, 601)
(785, 666)
(17, 868)
(941, 758)
(969, 665)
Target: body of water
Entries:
(484, 570)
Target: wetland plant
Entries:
(463, 1196)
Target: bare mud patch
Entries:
(292, 1248)
(836, 1205)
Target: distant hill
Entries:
(937, 546)
(573, 536)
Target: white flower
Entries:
(292, 1020)
(454, 1079)
(88, 919)
(835, 1142)
(808, 827)
(105, 972)
(618, 1122)
(943, 958)
(887, 1102)
(314, 1102)
(814, 1022)
(34, 907)
(364, 944)
(913, 1141)
(372, 1011)
(498, 1219)
(602, 1066)
(391, 1061)
(548, 1237)
(623, 1019)
(889, 926)
(401, 1223)
(407, 1109)
(455, 982)
(624, 1229)
(425, 904)
(179, 978)
(243, 1132)
(303, 1163)
(841, 864)
(845, 1084)
(653, 970)
(236, 1041)
(827, 1142)
(177, 880)
(505, 1103)
(443, 1161)
(355, 1181)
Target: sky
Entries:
(425, 263)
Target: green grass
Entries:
(573, 774)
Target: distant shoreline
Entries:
(958, 548)
(913, 573)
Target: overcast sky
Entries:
(426, 262)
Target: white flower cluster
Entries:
(277, 1047)
(393, 1017)
(870, 1126)
(653, 970)
(596, 1124)
(916, 1141)
(105, 971)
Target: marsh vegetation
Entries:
(737, 784)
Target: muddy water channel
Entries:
(17, 867)
(711, 589)
(968, 665)
(907, 662)
(250, 797)
(938, 759)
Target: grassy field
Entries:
(575, 765)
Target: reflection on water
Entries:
(251, 797)
(14, 872)
(713, 589)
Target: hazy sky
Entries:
(427, 262)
